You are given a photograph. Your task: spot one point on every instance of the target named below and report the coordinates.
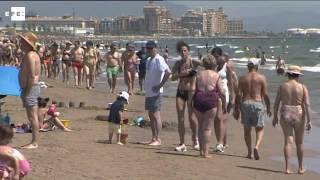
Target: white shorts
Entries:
(114, 128)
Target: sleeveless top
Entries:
(223, 75)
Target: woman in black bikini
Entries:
(209, 88)
(184, 70)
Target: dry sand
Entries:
(77, 155)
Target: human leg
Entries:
(180, 106)
(219, 126)
(87, 72)
(299, 135)
(259, 137)
(288, 140)
(199, 116)
(247, 138)
(75, 74)
(64, 69)
(208, 119)
(193, 121)
(32, 113)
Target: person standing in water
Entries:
(280, 66)
(295, 108)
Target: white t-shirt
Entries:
(155, 70)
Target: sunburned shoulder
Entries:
(32, 55)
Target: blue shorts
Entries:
(253, 113)
(153, 104)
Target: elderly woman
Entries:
(129, 59)
(184, 70)
(209, 88)
(295, 107)
(90, 60)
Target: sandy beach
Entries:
(77, 155)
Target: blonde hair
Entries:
(209, 62)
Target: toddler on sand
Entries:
(13, 165)
(115, 116)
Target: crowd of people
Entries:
(208, 87)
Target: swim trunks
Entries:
(32, 98)
(253, 113)
(112, 71)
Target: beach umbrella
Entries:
(9, 81)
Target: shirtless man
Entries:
(77, 64)
(113, 59)
(252, 96)
(295, 105)
(29, 79)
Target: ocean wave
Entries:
(314, 50)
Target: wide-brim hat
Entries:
(293, 69)
(30, 38)
(125, 95)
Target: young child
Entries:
(52, 110)
(13, 165)
(115, 116)
(54, 120)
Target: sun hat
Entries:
(125, 95)
(30, 38)
(253, 61)
(294, 69)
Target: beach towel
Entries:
(9, 81)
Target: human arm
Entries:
(230, 85)
(275, 120)
(265, 95)
(238, 94)
(166, 76)
(307, 107)
(176, 74)
(222, 94)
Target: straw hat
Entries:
(293, 69)
(30, 38)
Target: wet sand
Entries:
(77, 155)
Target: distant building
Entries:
(157, 18)
(195, 21)
(106, 26)
(65, 24)
(235, 27)
(216, 22)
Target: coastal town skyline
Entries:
(293, 14)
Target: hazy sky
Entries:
(257, 15)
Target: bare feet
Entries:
(30, 146)
(120, 143)
(288, 171)
(155, 143)
(207, 156)
(67, 130)
(256, 154)
(249, 156)
(302, 171)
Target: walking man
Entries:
(252, 97)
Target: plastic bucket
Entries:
(123, 138)
(65, 122)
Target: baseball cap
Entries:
(253, 61)
(151, 44)
(125, 95)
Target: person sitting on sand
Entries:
(253, 100)
(280, 66)
(295, 105)
(209, 88)
(13, 165)
(46, 125)
(115, 116)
